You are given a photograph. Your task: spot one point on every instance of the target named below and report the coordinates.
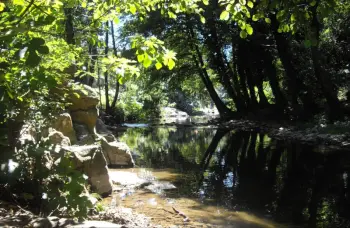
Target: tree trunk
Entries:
(69, 37)
(271, 74)
(69, 29)
(117, 84)
(222, 108)
(328, 88)
(295, 85)
(218, 61)
(245, 73)
(108, 109)
(92, 64)
(262, 97)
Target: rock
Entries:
(83, 97)
(57, 138)
(93, 224)
(129, 179)
(86, 117)
(117, 153)
(27, 133)
(41, 223)
(63, 123)
(159, 186)
(83, 135)
(91, 161)
(102, 129)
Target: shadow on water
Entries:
(249, 172)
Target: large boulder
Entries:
(86, 117)
(102, 130)
(90, 160)
(84, 137)
(57, 138)
(117, 153)
(63, 123)
(82, 97)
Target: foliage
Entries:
(48, 181)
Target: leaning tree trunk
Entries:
(217, 58)
(117, 84)
(198, 59)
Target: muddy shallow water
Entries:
(234, 178)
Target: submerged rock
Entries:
(117, 153)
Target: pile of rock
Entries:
(92, 145)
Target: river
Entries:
(236, 179)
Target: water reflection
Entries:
(250, 172)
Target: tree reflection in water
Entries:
(248, 171)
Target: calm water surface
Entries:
(240, 179)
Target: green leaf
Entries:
(250, 4)
(84, 4)
(280, 14)
(268, 20)
(172, 15)
(313, 3)
(147, 61)
(158, 65)
(249, 29)
(140, 58)
(243, 34)
(2, 6)
(292, 18)
(33, 59)
(224, 15)
(255, 17)
(37, 42)
(43, 50)
(307, 43)
(242, 2)
(132, 8)
(171, 64)
(202, 19)
(205, 2)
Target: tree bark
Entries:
(117, 84)
(218, 61)
(198, 59)
(328, 88)
(69, 29)
(108, 109)
(92, 64)
(295, 84)
(271, 74)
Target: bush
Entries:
(46, 181)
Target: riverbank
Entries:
(326, 137)
(12, 215)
